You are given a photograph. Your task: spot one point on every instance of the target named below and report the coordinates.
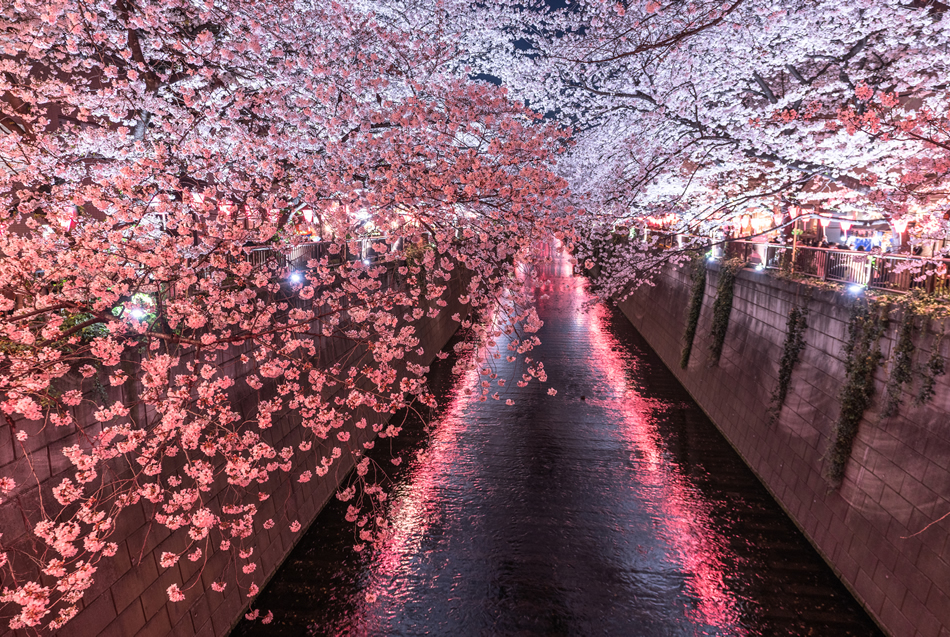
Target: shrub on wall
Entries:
(935, 367)
(791, 351)
(862, 357)
(902, 369)
(697, 293)
(722, 307)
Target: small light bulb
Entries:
(138, 314)
(296, 278)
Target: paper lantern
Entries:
(824, 221)
(845, 225)
(899, 225)
(307, 214)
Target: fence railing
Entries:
(297, 257)
(890, 272)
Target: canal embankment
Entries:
(877, 512)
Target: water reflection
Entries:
(612, 508)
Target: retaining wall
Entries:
(882, 530)
(129, 594)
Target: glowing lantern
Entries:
(824, 221)
(845, 225)
(307, 214)
(899, 225)
(777, 218)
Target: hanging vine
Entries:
(791, 351)
(902, 369)
(697, 293)
(862, 357)
(935, 367)
(722, 307)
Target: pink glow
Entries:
(684, 518)
(692, 539)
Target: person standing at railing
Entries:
(940, 278)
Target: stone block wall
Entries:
(883, 530)
(129, 594)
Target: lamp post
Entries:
(796, 212)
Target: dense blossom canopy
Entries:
(696, 111)
(150, 150)
(189, 183)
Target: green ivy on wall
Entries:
(791, 351)
(862, 357)
(935, 367)
(722, 307)
(902, 368)
(697, 293)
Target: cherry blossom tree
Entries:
(157, 156)
(702, 109)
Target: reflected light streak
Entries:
(691, 536)
(413, 508)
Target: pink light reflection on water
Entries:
(686, 517)
(685, 520)
(414, 510)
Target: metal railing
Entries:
(894, 273)
(882, 271)
(298, 257)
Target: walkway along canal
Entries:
(612, 508)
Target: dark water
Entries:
(612, 508)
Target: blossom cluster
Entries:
(160, 303)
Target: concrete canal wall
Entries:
(882, 530)
(129, 594)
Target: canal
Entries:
(612, 508)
